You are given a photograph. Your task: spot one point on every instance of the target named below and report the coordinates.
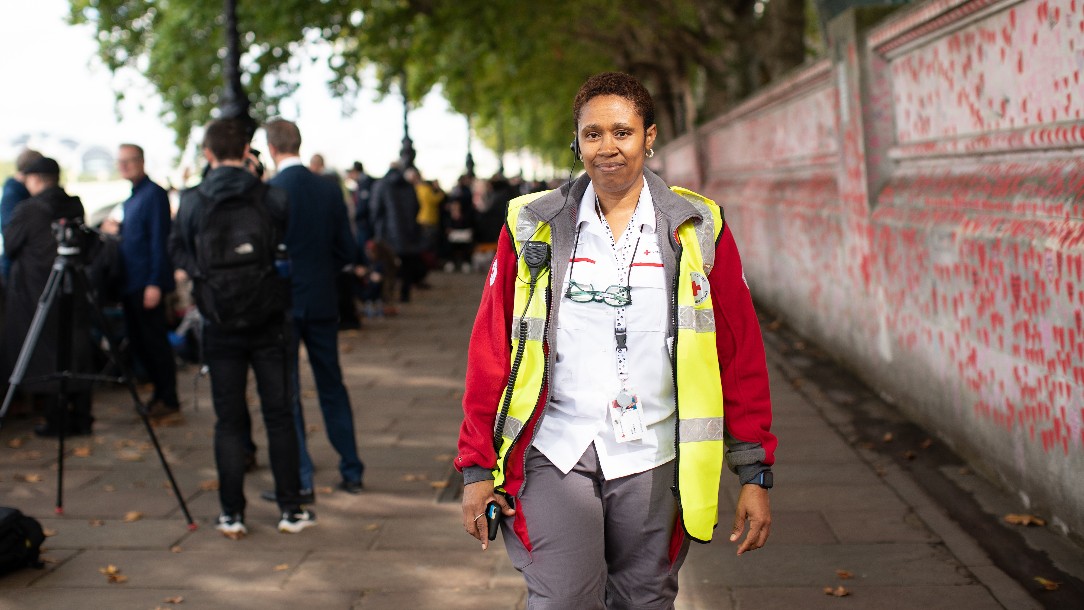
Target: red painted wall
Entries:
(916, 203)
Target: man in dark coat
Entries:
(14, 193)
(320, 245)
(394, 214)
(32, 248)
(148, 278)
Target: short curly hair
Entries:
(619, 84)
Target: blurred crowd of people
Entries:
(357, 247)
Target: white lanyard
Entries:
(624, 258)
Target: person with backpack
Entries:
(229, 238)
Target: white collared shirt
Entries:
(286, 163)
(585, 378)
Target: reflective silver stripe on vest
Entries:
(526, 225)
(512, 427)
(700, 429)
(697, 320)
(705, 233)
(536, 328)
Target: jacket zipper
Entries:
(673, 370)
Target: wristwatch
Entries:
(764, 479)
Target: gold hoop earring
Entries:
(650, 153)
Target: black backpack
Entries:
(237, 286)
(20, 540)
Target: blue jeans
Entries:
(321, 339)
(228, 355)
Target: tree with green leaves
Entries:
(512, 67)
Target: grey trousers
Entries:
(597, 544)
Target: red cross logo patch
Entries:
(700, 287)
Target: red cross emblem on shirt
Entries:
(696, 288)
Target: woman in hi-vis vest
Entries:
(615, 366)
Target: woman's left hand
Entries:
(752, 505)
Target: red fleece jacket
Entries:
(742, 365)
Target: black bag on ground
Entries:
(238, 286)
(20, 540)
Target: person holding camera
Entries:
(31, 245)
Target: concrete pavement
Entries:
(848, 511)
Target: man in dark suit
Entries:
(320, 245)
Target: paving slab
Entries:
(841, 502)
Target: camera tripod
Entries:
(66, 278)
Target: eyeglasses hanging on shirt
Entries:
(615, 295)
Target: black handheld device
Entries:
(493, 518)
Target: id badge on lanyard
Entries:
(627, 417)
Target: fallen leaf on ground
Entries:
(282, 567)
(438, 484)
(837, 592)
(28, 478)
(844, 574)
(110, 488)
(129, 455)
(1049, 585)
(96, 523)
(926, 444)
(112, 573)
(775, 325)
(372, 527)
(324, 490)
(48, 533)
(17, 442)
(82, 452)
(211, 485)
(909, 455)
(1017, 519)
(414, 477)
(312, 428)
(132, 516)
(887, 437)
(176, 599)
(176, 549)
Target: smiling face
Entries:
(614, 143)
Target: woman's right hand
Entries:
(475, 498)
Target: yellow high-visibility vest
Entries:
(699, 400)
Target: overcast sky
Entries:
(54, 83)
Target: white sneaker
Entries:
(294, 522)
(231, 526)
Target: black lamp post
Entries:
(470, 140)
(235, 103)
(406, 154)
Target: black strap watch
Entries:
(764, 479)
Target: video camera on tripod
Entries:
(68, 281)
(72, 236)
